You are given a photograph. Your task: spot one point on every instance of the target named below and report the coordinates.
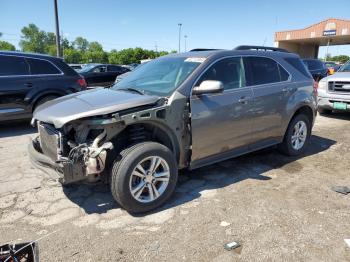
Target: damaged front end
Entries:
(78, 151)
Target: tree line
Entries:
(79, 51)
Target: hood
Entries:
(94, 102)
(338, 76)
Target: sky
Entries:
(153, 24)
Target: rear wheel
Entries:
(144, 177)
(297, 136)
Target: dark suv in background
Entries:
(317, 68)
(178, 111)
(29, 80)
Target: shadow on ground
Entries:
(98, 199)
(338, 115)
(10, 129)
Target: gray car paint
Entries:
(220, 127)
(89, 103)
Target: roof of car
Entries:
(225, 52)
(26, 54)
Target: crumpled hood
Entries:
(338, 76)
(94, 102)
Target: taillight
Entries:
(81, 81)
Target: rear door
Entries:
(271, 87)
(14, 85)
(221, 122)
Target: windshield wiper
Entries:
(141, 92)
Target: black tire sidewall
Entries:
(288, 141)
(122, 169)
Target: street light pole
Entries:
(179, 24)
(58, 42)
(185, 36)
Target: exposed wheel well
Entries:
(137, 133)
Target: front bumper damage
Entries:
(85, 162)
(64, 172)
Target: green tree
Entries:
(95, 47)
(33, 39)
(7, 46)
(340, 58)
(72, 55)
(81, 43)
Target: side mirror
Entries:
(208, 87)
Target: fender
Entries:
(302, 98)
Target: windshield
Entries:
(160, 76)
(86, 68)
(345, 68)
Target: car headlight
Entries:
(322, 85)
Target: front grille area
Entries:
(339, 86)
(49, 140)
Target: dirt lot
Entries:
(278, 208)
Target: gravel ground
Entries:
(278, 208)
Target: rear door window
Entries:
(229, 71)
(42, 67)
(263, 70)
(13, 65)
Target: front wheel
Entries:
(297, 136)
(144, 177)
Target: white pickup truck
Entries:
(334, 91)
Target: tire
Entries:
(323, 111)
(289, 148)
(44, 100)
(123, 181)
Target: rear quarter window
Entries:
(42, 67)
(298, 65)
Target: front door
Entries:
(221, 122)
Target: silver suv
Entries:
(180, 111)
(334, 91)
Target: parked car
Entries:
(101, 74)
(29, 80)
(334, 91)
(181, 111)
(76, 67)
(317, 68)
(332, 67)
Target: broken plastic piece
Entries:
(232, 245)
(341, 189)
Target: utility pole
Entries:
(179, 24)
(156, 47)
(185, 36)
(58, 43)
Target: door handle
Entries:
(28, 84)
(243, 100)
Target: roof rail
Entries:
(263, 48)
(203, 49)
